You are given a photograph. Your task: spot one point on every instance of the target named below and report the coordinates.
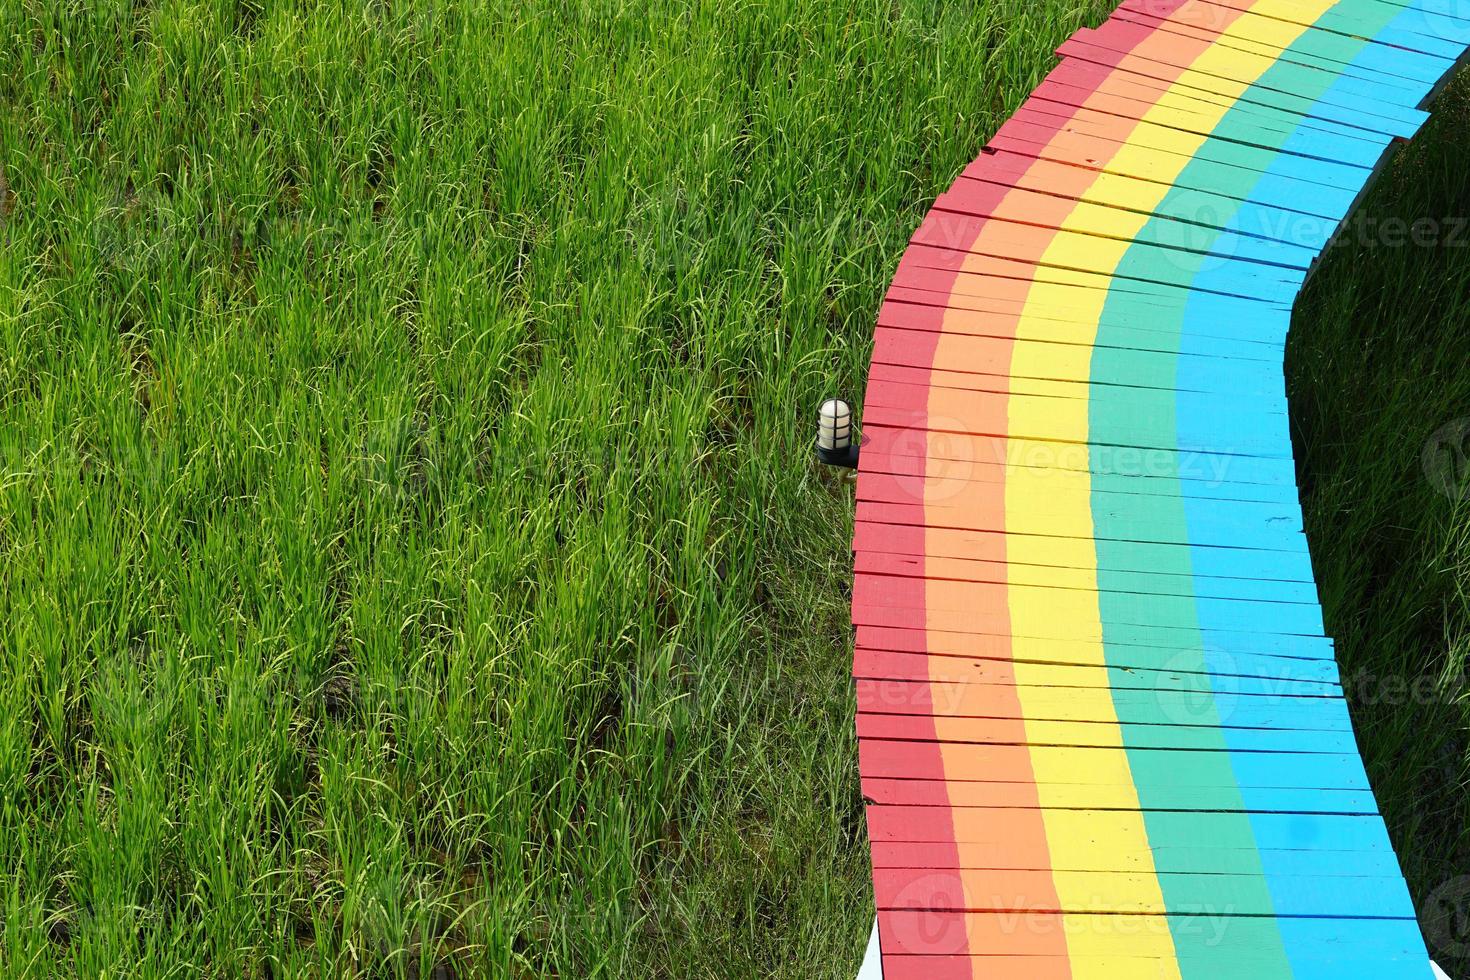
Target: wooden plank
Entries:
(974, 890)
(1166, 829)
(1100, 734)
(1163, 583)
(1119, 936)
(1314, 862)
(935, 792)
(1006, 763)
(1076, 552)
(1064, 362)
(952, 595)
(883, 476)
(1233, 690)
(925, 309)
(1228, 654)
(1131, 967)
(1264, 530)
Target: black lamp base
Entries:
(846, 459)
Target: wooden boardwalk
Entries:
(1101, 731)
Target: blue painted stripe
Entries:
(1289, 947)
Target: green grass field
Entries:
(411, 564)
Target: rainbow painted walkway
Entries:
(1102, 732)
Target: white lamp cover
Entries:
(834, 424)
